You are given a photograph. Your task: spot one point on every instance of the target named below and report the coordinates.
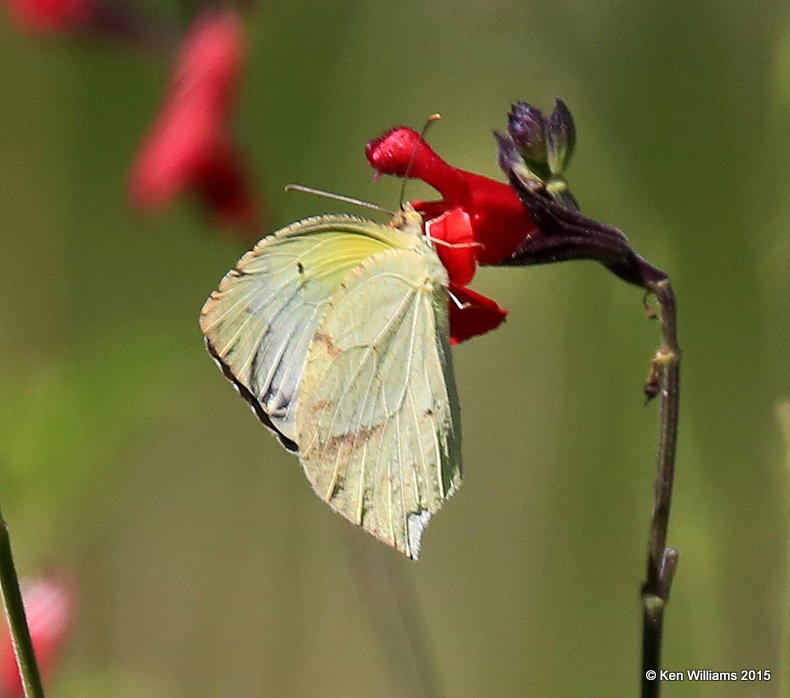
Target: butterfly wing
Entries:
(260, 321)
(378, 420)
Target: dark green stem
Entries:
(661, 560)
(17, 622)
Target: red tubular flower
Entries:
(51, 15)
(499, 223)
(49, 606)
(189, 146)
(477, 221)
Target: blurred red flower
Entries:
(51, 15)
(189, 147)
(49, 605)
(481, 221)
(108, 19)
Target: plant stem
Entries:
(562, 233)
(395, 610)
(17, 622)
(661, 560)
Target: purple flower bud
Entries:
(528, 128)
(508, 154)
(560, 138)
(511, 161)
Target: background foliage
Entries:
(205, 563)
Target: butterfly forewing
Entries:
(261, 320)
(378, 423)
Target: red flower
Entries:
(478, 221)
(109, 19)
(497, 220)
(189, 146)
(51, 15)
(472, 314)
(49, 606)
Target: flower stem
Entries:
(17, 622)
(661, 560)
(395, 609)
(565, 234)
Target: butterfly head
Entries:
(408, 220)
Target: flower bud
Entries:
(560, 138)
(528, 128)
(509, 157)
(511, 160)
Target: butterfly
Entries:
(335, 330)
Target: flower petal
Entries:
(210, 61)
(176, 148)
(224, 185)
(454, 242)
(402, 152)
(49, 605)
(472, 314)
(51, 15)
(189, 146)
(499, 221)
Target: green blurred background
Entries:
(206, 565)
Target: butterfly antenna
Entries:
(426, 126)
(337, 197)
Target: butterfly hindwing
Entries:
(378, 422)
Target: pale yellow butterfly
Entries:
(335, 330)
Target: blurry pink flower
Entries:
(189, 147)
(51, 15)
(49, 605)
(114, 20)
